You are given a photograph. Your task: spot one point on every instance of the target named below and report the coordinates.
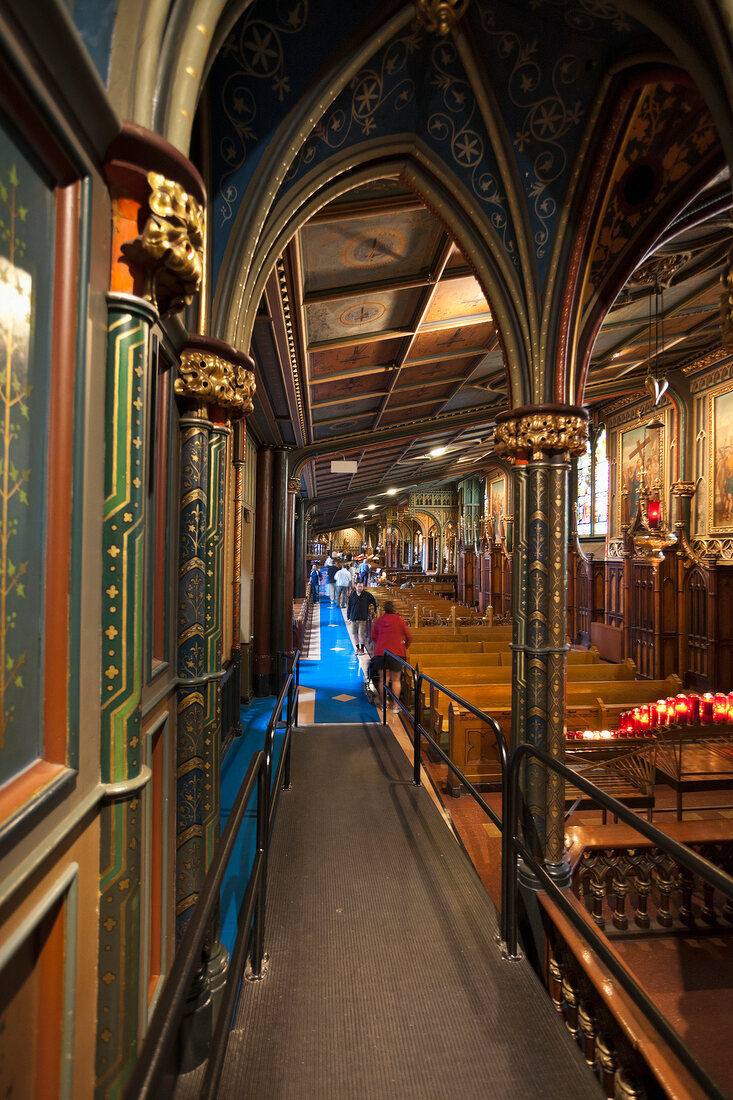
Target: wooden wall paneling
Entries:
(598, 591)
(694, 645)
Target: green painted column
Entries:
(540, 441)
(129, 323)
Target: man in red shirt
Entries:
(390, 633)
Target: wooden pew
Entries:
(470, 743)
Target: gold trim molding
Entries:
(541, 433)
(171, 246)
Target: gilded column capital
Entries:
(293, 484)
(216, 373)
(541, 430)
(158, 204)
(440, 16)
(684, 489)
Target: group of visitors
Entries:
(347, 589)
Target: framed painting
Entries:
(640, 460)
(720, 481)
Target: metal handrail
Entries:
(512, 846)
(419, 732)
(154, 1060)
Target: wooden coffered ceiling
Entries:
(373, 320)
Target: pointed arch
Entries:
(408, 159)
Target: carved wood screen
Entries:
(615, 593)
(642, 621)
(696, 618)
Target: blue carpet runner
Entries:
(338, 677)
(338, 681)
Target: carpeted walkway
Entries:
(385, 978)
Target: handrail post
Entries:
(509, 866)
(416, 695)
(258, 946)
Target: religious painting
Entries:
(720, 482)
(496, 510)
(640, 463)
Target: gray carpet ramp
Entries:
(385, 977)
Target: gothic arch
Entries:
(237, 297)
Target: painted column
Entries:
(541, 440)
(262, 661)
(238, 460)
(158, 200)
(280, 615)
(300, 548)
(290, 555)
(213, 383)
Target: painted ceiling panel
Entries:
(418, 394)
(457, 299)
(346, 411)
(437, 371)
(362, 250)
(360, 316)
(450, 340)
(346, 359)
(360, 385)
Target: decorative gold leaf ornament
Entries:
(211, 378)
(540, 433)
(171, 245)
(440, 16)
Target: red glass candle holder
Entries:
(694, 712)
(654, 514)
(671, 710)
(681, 710)
(706, 709)
(662, 713)
(720, 708)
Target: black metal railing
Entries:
(155, 1063)
(420, 733)
(513, 847)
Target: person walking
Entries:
(315, 579)
(331, 570)
(357, 613)
(390, 633)
(343, 584)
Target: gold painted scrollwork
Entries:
(171, 245)
(541, 433)
(293, 484)
(440, 16)
(211, 378)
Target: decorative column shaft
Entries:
(263, 573)
(238, 460)
(214, 382)
(158, 200)
(280, 615)
(300, 548)
(541, 440)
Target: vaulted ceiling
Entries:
(415, 229)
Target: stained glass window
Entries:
(600, 485)
(592, 496)
(585, 493)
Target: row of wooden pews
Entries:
(475, 662)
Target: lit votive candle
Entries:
(720, 708)
(706, 709)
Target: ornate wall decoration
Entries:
(26, 285)
(374, 103)
(664, 143)
(722, 373)
(541, 432)
(171, 246)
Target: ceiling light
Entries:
(371, 507)
(437, 451)
(361, 516)
(392, 492)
